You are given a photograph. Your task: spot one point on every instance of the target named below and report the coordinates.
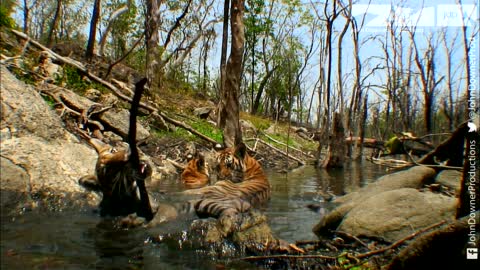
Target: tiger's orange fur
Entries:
(195, 175)
(251, 185)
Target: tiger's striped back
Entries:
(252, 190)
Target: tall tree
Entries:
(152, 41)
(229, 107)
(93, 30)
(223, 57)
(55, 21)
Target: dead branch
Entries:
(186, 127)
(284, 256)
(301, 162)
(289, 147)
(83, 69)
(176, 164)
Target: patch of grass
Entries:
(49, 100)
(207, 129)
(260, 123)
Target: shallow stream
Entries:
(73, 239)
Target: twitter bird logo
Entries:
(472, 127)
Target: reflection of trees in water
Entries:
(350, 178)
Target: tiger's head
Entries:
(231, 163)
(196, 173)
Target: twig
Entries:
(345, 234)
(401, 241)
(285, 256)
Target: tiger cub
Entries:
(195, 174)
(116, 180)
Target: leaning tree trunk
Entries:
(336, 145)
(229, 104)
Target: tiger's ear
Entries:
(241, 150)
(200, 161)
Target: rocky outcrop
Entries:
(451, 179)
(37, 152)
(395, 214)
(414, 177)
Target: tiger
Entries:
(246, 179)
(119, 173)
(195, 174)
(117, 180)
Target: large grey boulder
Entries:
(414, 177)
(37, 152)
(451, 179)
(395, 214)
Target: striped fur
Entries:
(252, 190)
(116, 179)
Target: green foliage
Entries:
(49, 100)
(74, 81)
(394, 146)
(258, 122)
(6, 8)
(207, 129)
(201, 126)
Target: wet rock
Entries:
(393, 215)
(414, 177)
(450, 178)
(249, 235)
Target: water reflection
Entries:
(292, 193)
(81, 240)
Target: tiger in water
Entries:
(245, 179)
(196, 173)
(120, 175)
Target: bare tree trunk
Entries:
(93, 30)
(223, 57)
(152, 44)
(26, 15)
(113, 17)
(229, 107)
(56, 19)
(336, 148)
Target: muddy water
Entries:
(76, 239)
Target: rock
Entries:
(450, 178)
(117, 120)
(37, 153)
(203, 112)
(414, 177)
(395, 214)
(247, 127)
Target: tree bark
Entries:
(229, 107)
(56, 19)
(93, 30)
(152, 43)
(336, 148)
(223, 57)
